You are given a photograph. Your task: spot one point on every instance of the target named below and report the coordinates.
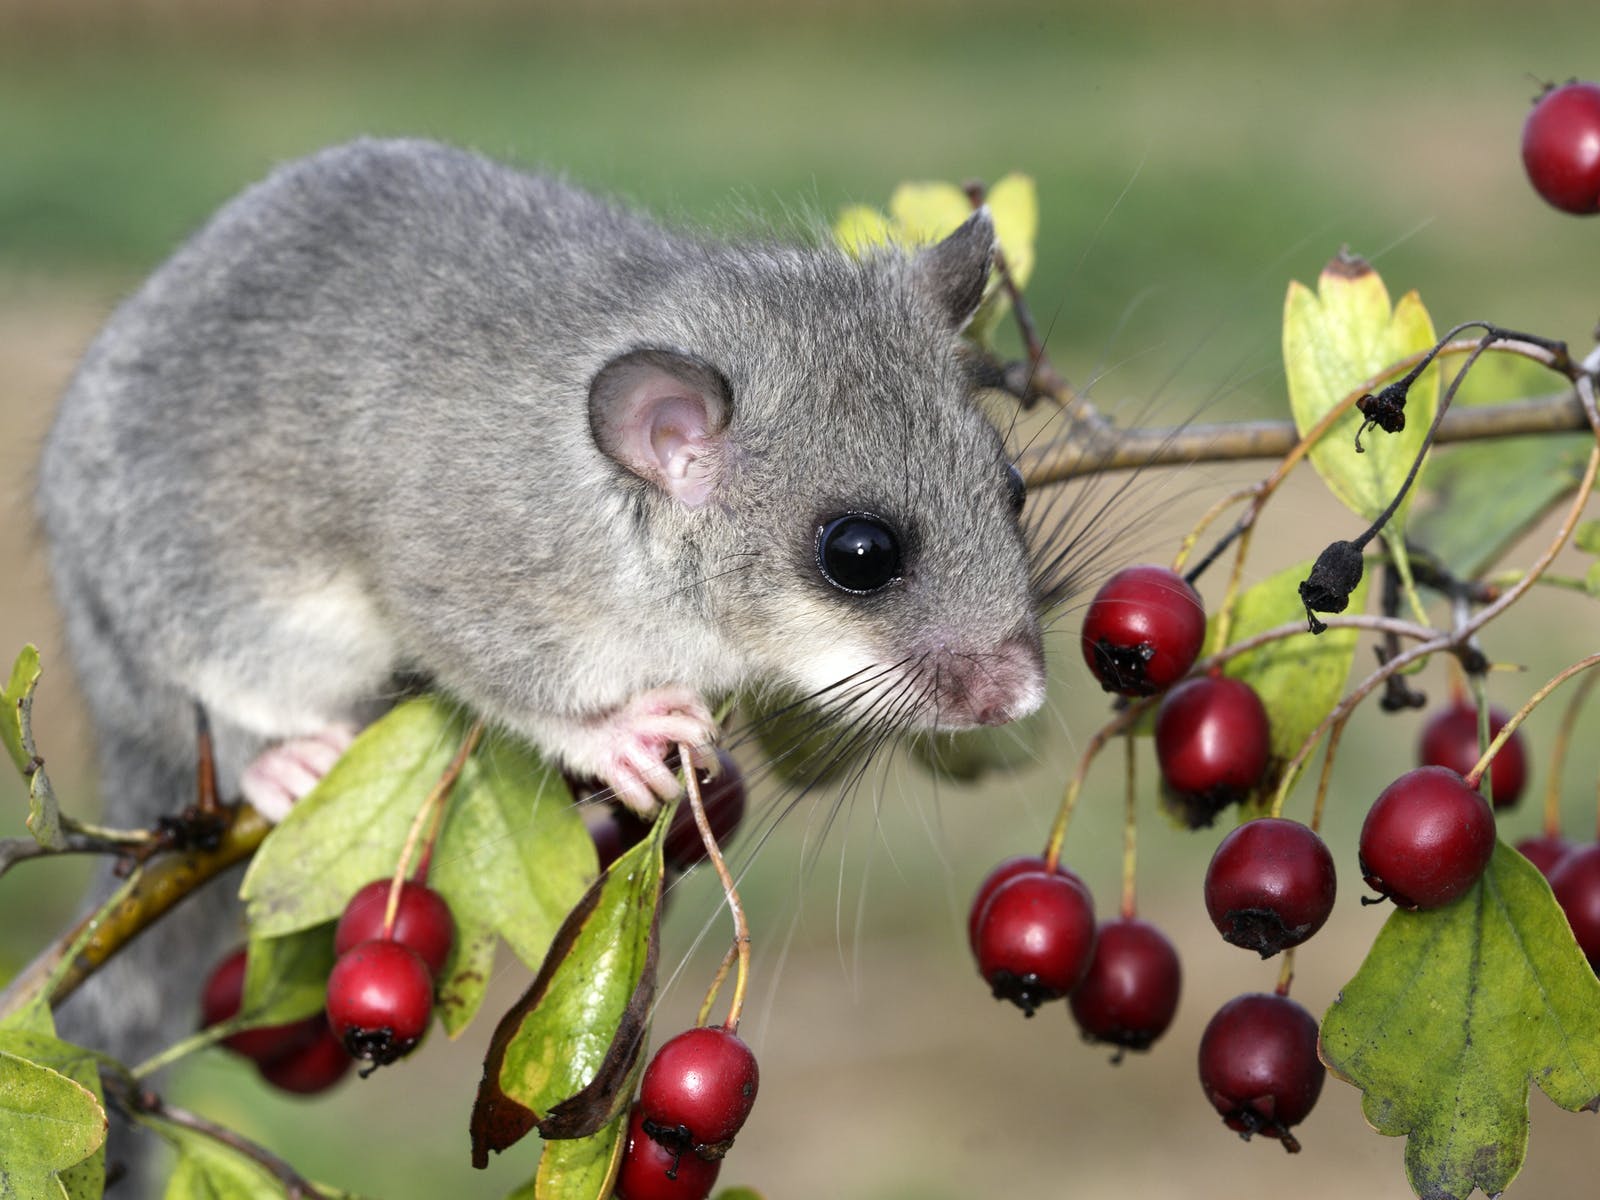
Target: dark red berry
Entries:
(1035, 939)
(220, 998)
(724, 799)
(1544, 852)
(1130, 993)
(422, 921)
(651, 1171)
(1259, 1068)
(1576, 883)
(1561, 147)
(698, 1090)
(1426, 839)
(1212, 741)
(1143, 631)
(1450, 739)
(1270, 885)
(380, 998)
(313, 1068)
(1022, 864)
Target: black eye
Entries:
(858, 553)
(1019, 489)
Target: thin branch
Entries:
(1108, 448)
(21, 849)
(138, 1104)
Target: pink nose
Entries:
(991, 688)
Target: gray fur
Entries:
(343, 434)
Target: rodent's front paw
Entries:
(627, 748)
(283, 773)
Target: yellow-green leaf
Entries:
(49, 1124)
(861, 229)
(1333, 341)
(1298, 678)
(1014, 202)
(286, 977)
(38, 1044)
(1451, 1017)
(925, 212)
(18, 697)
(582, 1168)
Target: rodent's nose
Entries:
(992, 687)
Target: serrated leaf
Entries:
(86, 1179)
(560, 1055)
(1451, 1016)
(1481, 498)
(582, 1168)
(286, 978)
(49, 1124)
(1299, 678)
(1334, 340)
(511, 858)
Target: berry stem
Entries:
(1558, 755)
(1191, 538)
(1069, 799)
(429, 816)
(716, 985)
(1285, 972)
(741, 928)
(1476, 774)
(1230, 598)
(1335, 732)
(1130, 833)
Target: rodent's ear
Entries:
(661, 414)
(956, 270)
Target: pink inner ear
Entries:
(668, 432)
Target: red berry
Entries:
(1450, 739)
(1022, 864)
(1270, 885)
(723, 798)
(1576, 883)
(1035, 939)
(1561, 147)
(1212, 741)
(422, 921)
(1544, 852)
(1259, 1068)
(313, 1068)
(380, 997)
(1130, 993)
(220, 998)
(651, 1171)
(1143, 631)
(698, 1090)
(1426, 839)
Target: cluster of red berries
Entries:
(1142, 633)
(694, 1097)
(380, 992)
(615, 830)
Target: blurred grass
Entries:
(1190, 159)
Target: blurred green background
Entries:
(1190, 160)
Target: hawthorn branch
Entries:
(1092, 445)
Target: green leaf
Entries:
(560, 1057)
(49, 1123)
(1480, 499)
(18, 696)
(1451, 1016)
(511, 858)
(1586, 536)
(1591, 579)
(739, 1193)
(1299, 679)
(286, 978)
(209, 1170)
(582, 1168)
(16, 731)
(1335, 340)
(86, 1180)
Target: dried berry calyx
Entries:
(1386, 410)
(1336, 574)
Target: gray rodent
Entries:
(400, 409)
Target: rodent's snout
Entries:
(989, 687)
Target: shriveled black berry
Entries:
(1334, 576)
(1386, 410)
